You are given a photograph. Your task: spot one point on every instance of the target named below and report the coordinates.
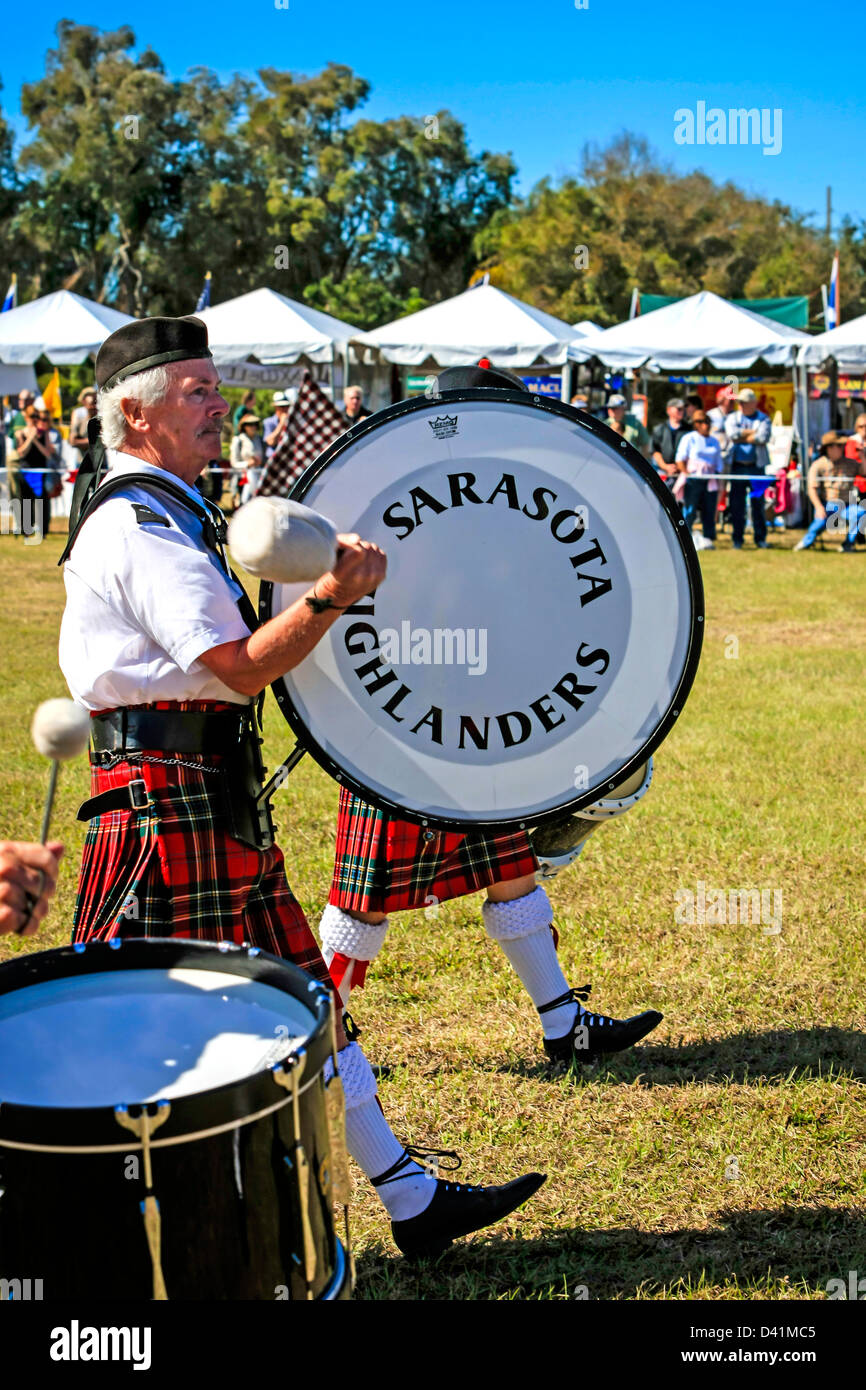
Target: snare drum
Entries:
(164, 1125)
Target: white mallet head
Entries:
(60, 729)
(283, 541)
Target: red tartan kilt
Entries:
(385, 865)
(175, 871)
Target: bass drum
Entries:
(164, 1125)
(539, 628)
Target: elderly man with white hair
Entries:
(161, 644)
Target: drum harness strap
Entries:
(246, 799)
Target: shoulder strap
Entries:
(212, 520)
(213, 530)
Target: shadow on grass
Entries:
(742, 1058)
(754, 1250)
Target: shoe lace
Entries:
(577, 996)
(413, 1153)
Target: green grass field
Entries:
(724, 1158)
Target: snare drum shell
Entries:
(223, 1164)
(229, 1208)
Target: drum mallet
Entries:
(60, 730)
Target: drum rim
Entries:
(696, 628)
(191, 1116)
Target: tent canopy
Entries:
(273, 329)
(62, 326)
(586, 327)
(845, 344)
(791, 309)
(680, 336)
(481, 322)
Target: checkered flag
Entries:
(313, 424)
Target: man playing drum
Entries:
(385, 865)
(161, 644)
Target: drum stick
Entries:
(60, 730)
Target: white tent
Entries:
(481, 322)
(680, 336)
(845, 344)
(62, 326)
(272, 329)
(586, 328)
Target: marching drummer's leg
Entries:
(350, 941)
(372, 1142)
(426, 1212)
(518, 915)
(523, 926)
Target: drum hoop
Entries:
(132, 1146)
(640, 465)
(608, 806)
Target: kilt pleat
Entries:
(385, 865)
(174, 870)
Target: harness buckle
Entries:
(138, 798)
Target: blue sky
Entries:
(539, 79)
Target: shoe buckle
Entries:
(138, 798)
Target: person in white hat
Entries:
(632, 429)
(275, 425)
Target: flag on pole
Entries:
(634, 309)
(11, 295)
(203, 301)
(313, 424)
(831, 312)
(51, 396)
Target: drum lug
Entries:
(143, 1128)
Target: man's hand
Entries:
(360, 568)
(28, 878)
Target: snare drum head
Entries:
(131, 1036)
(539, 627)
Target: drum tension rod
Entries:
(288, 1075)
(285, 768)
(143, 1128)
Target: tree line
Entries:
(129, 185)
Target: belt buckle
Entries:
(138, 797)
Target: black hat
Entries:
(148, 343)
(464, 378)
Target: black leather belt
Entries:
(174, 731)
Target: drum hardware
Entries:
(335, 1113)
(286, 767)
(288, 1074)
(142, 1128)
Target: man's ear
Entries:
(133, 413)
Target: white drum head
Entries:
(538, 629)
(130, 1036)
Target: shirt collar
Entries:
(119, 463)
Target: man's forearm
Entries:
(251, 663)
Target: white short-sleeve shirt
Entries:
(701, 454)
(144, 600)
